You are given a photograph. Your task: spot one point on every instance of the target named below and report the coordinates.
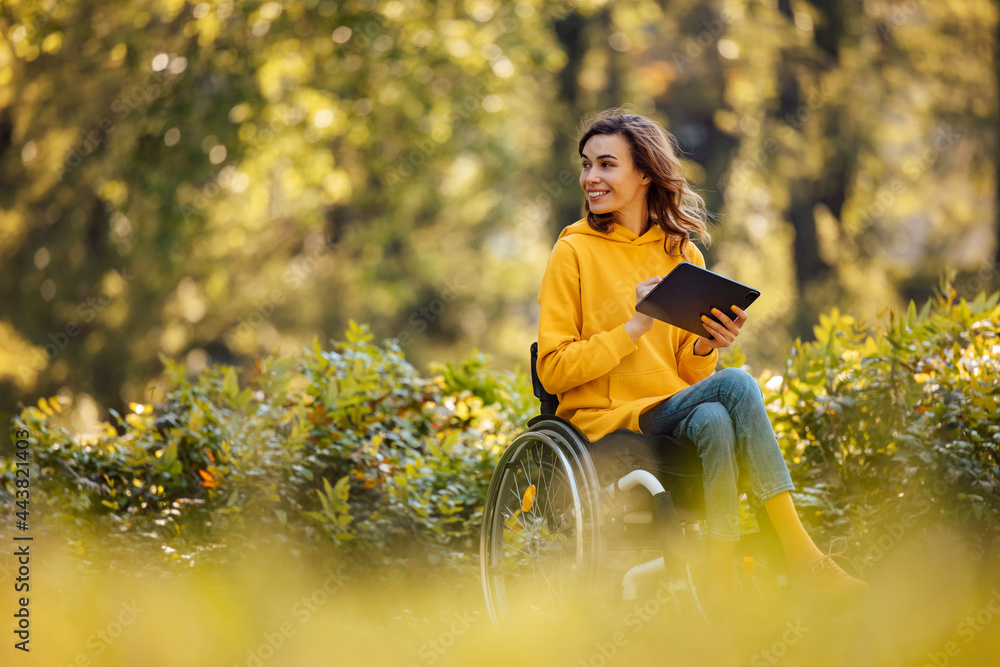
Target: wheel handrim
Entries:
(534, 558)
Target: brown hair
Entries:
(672, 204)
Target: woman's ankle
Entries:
(802, 558)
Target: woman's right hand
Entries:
(640, 324)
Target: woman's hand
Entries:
(640, 324)
(723, 334)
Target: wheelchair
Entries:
(562, 514)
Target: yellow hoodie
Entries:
(603, 380)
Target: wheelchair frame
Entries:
(549, 517)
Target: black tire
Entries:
(541, 547)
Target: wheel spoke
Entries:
(516, 549)
(513, 515)
(536, 539)
(552, 588)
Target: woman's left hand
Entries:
(723, 334)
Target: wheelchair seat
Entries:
(624, 450)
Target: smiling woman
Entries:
(613, 367)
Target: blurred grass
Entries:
(267, 606)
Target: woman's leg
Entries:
(798, 546)
(809, 566)
(709, 427)
(755, 447)
(739, 407)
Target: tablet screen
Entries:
(689, 291)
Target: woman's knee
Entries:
(739, 379)
(710, 425)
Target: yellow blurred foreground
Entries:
(269, 607)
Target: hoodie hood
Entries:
(618, 233)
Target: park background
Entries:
(199, 200)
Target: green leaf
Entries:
(169, 458)
(230, 385)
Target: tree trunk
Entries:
(996, 144)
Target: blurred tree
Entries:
(214, 180)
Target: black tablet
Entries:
(689, 291)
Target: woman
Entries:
(613, 367)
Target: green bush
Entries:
(898, 422)
(349, 444)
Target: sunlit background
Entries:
(189, 184)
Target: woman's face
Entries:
(609, 178)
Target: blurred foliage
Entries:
(348, 444)
(902, 421)
(216, 181)
(351, 446)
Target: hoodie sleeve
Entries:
(690, 367)
(565, 359)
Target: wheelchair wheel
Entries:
(540, 546)
(761, 570)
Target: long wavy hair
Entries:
(672, 204)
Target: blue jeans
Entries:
(724, 416)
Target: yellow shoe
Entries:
(824, 577)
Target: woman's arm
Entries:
(565, 359)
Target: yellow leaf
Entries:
(528, 501)
(207, 480)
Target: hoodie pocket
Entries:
(628, 387)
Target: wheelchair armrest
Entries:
(549, 401)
